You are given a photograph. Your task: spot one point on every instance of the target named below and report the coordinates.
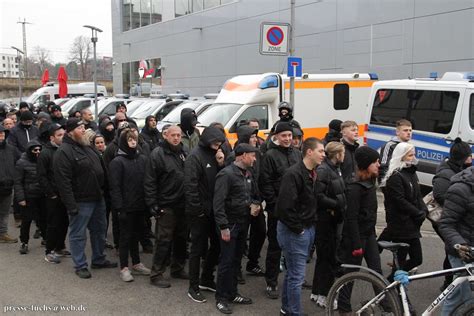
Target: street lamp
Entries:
(94, 41)
(129, 66)
(18, 52)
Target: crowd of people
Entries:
(209, 200)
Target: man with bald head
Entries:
(164, 195)
(88, 119)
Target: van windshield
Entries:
(219, 112)
(32, 98)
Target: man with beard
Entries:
(164, 194)
(107, 129)
(81, 178)
(57, 116)
(24, 132)
(150, 133)
(191, 134)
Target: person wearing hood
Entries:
(226, 147)
(42, 118)
(200, 170)
(127, 171)
(57, 115)
(107, 129)
(298, 137)
(164, 195)
(8, 156)
(150, 134)
(191, 134)
(350, 136)
(255, 123)
(279, 157)
(405, 210)
(334, 134)
(24, 132)
(456, 226)
(28, 193)
(57, 220)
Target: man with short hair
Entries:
(8, 123)
(88, 119)
(81, 178)
(122, 109)
(57, 115)
(24, 132)
(296, 210)
(255, 124)
(350, 136)
(12, 115)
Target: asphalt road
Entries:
(28, 280)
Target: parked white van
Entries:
(440, 110)
(50, 92)
(319, 98)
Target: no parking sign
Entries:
(274, 38)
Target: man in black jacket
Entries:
(235, 196)
(296, 210)
(8, 156)
(350, 135)
(57, 220)
(150, 133)
(88, 119)
(201, 168)
(81, 180)
(25, 131)
(278, 158)
(164, 195)
(57, 116)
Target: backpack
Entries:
(434, 209)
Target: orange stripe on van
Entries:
(329, 84)
(232, 86)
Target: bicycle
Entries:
(374, 295)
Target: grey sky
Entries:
(55, 24)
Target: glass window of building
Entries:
(211, 3)
(181, 7)
(145, 9)
(126, 17)
(156, 11)
(196, 5)
(135, 11)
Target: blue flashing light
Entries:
(268, 82)
(373, 76)
(469, 76)
(433, 75)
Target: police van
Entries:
(50, 92)
(319, 98)
(440, 109)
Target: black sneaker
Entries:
(180, 275)
(223, 307)
(307, 286)
(63, 253)
(272, 292)
(159, 281)
(239, 299)
(83, 273)
(37, 234)
(104, 265)
(256, 271)
(208, 286)
(240, 278)
(23, 249)
(196, 296)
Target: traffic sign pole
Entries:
(292, 79)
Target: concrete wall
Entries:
(395, 39)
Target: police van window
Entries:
(341, 96)
(259, 112)
(389, 106)
(471, 111)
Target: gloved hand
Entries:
(464, 252)
(358, 252)
(73, 212)
(402, 277)
(155, 211)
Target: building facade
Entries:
(198, 44)
(8, 66)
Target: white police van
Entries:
(440, 110)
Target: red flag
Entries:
(45, 77)
(62, 79)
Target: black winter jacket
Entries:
(234, 191)
(164, 177)
(27, 184)
(20, 135)
(332, 136)
(243, 136)
(330, 191)
(151, 136)
(79, 173)
(349, 165)
(59, 120)
(442, 179)
(8, 157)
(46, 170)
(361, 213)
(405, 210)
(296, 204)
(457, 220)
(126, 173)
(275, 162)
(200, 170)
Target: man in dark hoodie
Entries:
(191, 134)
(22, 133)
(57, 116)
(350, 135)
(8, 156)
(200, 171)
(107, 129)
(334, 133)
(150, 133)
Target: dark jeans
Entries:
(272, 262)
(115, 222)
(57, 224)
(131, 230)
(258, 234)
(5, 202)
(144, 240)
(326, 262)
(171, 236)
(372, 258)
(32, 211)
(414, 251)
(203, 233)
(229, 262)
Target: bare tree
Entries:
(80, 52)
(42, 57)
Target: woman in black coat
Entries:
(405, 210)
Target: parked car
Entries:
(174, 117)
(158, 108)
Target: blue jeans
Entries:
(91, 216)
(295, 249)
(461, 294)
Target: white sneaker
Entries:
(314, 297)
(140, 269)
(125, 275)
(321, 302)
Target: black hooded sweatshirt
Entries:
(8, 157)
(108, 135)
(190, 134)
(200, 170)
(151, 136)
(27, 184)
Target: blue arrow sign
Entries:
(295, 67)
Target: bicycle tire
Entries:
(465, 308)
(391, 297)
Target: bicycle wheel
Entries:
(465, 308)
(351, 292)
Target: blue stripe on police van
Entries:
(416, 136)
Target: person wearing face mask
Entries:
(107, 129)
(330, 191)
(404, 206)
(127, 171)
(191, 134)
(24, 132)
(28, 192)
